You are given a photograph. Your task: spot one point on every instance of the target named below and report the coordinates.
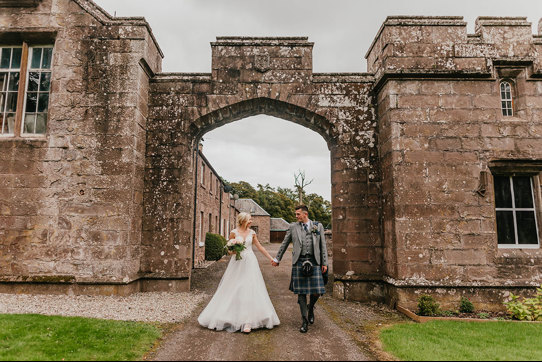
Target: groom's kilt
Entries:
(301, 284)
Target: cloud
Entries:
(267, 150)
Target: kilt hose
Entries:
(301, 284)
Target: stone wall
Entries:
(440, 130)
(263, 225)
(71, 200)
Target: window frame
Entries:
(10, 70)
(200, 241)
(511, 100)
(22, 92)
(535, 193)
(28, 70)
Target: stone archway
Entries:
(253, 76)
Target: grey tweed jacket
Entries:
(296, 234)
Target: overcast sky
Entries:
(262, 149)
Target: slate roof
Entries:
(279, 224)
(250, 206)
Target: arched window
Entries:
(506, 99)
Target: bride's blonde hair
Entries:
(242, 218)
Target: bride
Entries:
(241, 301)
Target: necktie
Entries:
(305, 227)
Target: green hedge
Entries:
(214, 246)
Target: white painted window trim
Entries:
(200, 242)
(508, 107)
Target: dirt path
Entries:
(326, 340)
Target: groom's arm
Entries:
(323, 245)
(284, 246)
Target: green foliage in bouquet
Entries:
(466, 306)
(427, 306)
(214, 246)
(528, 309)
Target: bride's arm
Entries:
(256, 242)
(232, 236)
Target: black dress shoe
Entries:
(305, 327)
(311, 314)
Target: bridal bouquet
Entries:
(236, 245)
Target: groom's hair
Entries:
(302, 207)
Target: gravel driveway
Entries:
(145, 307)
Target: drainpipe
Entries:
(196, 150)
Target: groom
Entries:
(309, 245)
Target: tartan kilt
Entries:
(300, 284)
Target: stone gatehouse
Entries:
(436, 152)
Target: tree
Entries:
(301, 184)
(244, 190)
(281, 202)
(319, 209)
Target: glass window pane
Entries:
(523, 195)
(505, 227)
(31, 102)
(12, 102)
(5, 58)
(16, 58)
(41, 123)
(29, 123)
(43, 102)
(13, 81)
(45, 81)
(47, 55)
(503, 195)
(10, 123)
(36, 58)
(33, 81)
(4, 81)
(526, 227)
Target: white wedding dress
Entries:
(241, 299)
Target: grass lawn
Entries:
(451, 340)
(36, 337)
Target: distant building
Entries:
(279, 226)
(261, 220)
(214, 207)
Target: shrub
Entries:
(483, 315)
(530, 309)
(466, 306)
(427, 306)
(449, 313)
(214, 246)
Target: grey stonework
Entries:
(104, 202)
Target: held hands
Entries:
(274, 263)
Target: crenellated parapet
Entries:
(441, 46)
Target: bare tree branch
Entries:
(301, 184)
